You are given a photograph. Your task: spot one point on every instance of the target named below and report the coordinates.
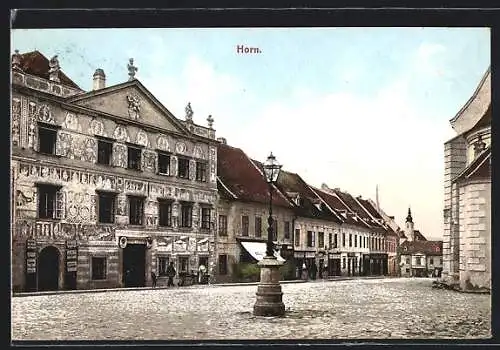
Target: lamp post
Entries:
(269, 296)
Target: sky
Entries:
(349, 107)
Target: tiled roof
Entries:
(36, 63)
(368, 206)
(307, 200)
(336, 204)
(424, 247)
(242, 178)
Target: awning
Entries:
(258, 250)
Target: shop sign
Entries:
(30, 256)
(334, 256)
(71, 255)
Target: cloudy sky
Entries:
(349, 107)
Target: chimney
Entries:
(222, 140)
(99, 79)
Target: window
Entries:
(165, 213)
(350, 239)
(222, 225)
(135, 210)
(98, 268)
(134, 158)
(311, 239)
(244, 225)
(343, 263)
(275, 230)
(418, 261)
(223, 264)
(163, 262)
(106, 207)
(355, 240)
(408, 261)
(47, 138)
(431, 261)
(297, 237)
(104, 152)
(335, 243)
(183, 264)
(186, 214)
(343, 239)
(50, 202)
(258, 226)
(205, 218)
(163, 164)
(440, 261)
(329, 240)
(183, 171)
(321, 239)
(201, 171)
(360, 241)
(286, 229)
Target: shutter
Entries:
(60, 212)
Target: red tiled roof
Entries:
(243, 179)
(424, 247)
(36, 63)
(418, 236)
(293, 183)
(336, 204)
(369, 207)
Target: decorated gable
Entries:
(131, 101)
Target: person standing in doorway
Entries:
(153, 279)
(171, 274)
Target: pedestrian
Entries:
(305, 275)
(201, 274)
(314, 270)
(171, 274)
(153, 278)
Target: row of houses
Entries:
(109, 186)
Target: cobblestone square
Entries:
(351, 309)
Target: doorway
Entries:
(134, 265)
(48, 269)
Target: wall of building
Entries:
(455, 159)
(475, 235)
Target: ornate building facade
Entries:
(467, 194)
(107, 185)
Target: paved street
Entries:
(377, 308)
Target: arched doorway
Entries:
(48, 268)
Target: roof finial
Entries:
(131, 69)
(210, 121)
(189, 112)
(54, 69)
(16, 60)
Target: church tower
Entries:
(409, 233)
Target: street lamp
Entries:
(269, 296)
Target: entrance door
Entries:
(134, 265)
(48, 269)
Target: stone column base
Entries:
(269, 296)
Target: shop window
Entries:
(205, 218)
(104, 152)
(163, 262)
(201, 171)
(163, 163)
(222, 225)
(258, 226)
(98, 268)
(136, 210)
(165, 213)
(244, 225)
(183, 171)
(47, 138)
(186, 214)
(50, 202)
(223, 264)
(106, 207)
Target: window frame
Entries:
(57, 200)
(245, 225)
(140, 200)
(138, 161)
(258, 226)
(162, 268)
(205, 224)
(297, 237)
(186, 222)
(321, 239)
(53, 130)
(112, 196)
(168, 203)
(162, 155)
(100, 144)
(187, 161)
(286, 229)
(201, 170)
(222, 225)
